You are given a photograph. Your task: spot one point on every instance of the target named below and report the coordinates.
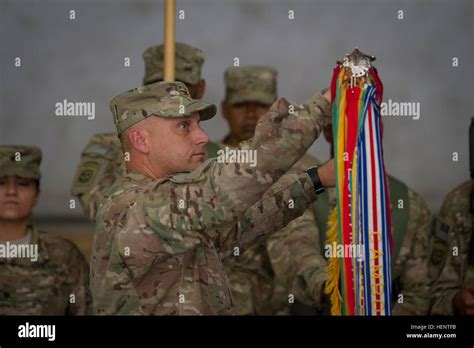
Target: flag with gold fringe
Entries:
(359, 283)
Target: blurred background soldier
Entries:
(453, 291)
(53, 278)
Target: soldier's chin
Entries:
(12, 214)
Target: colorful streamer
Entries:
(360, 282)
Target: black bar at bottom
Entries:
(259, 330)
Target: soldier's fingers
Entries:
(327, 94)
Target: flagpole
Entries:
(169, 66)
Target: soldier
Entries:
(453, 290)
(40, 274)
(250, 91)
(102, 160)
(411, 271)
(163, 230)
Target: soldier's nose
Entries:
(201, 136)
(251, 111)
(12, 188)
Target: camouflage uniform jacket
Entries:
(457, 270)
(55, 284)
(254, 288)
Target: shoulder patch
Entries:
(441, 229)
(441, 236)
(88, 175)
(438, 252)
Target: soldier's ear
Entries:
(201, 88)
(138, 139)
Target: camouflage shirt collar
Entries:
(36, 239)
(134, 177)
(137, 176)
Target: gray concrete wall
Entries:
(82, 60)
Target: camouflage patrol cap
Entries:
(188, 63)
(251, 83)
(22, 161)
(163, 99)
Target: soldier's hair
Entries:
(125, 141)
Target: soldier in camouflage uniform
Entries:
(453, 290)
(102, 161)
(164, 229)
(250, 91)
(298, 258)
(55, 281)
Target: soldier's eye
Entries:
(24, 182)
(184, 125)
(240, 105)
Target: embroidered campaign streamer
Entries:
(359, 283)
